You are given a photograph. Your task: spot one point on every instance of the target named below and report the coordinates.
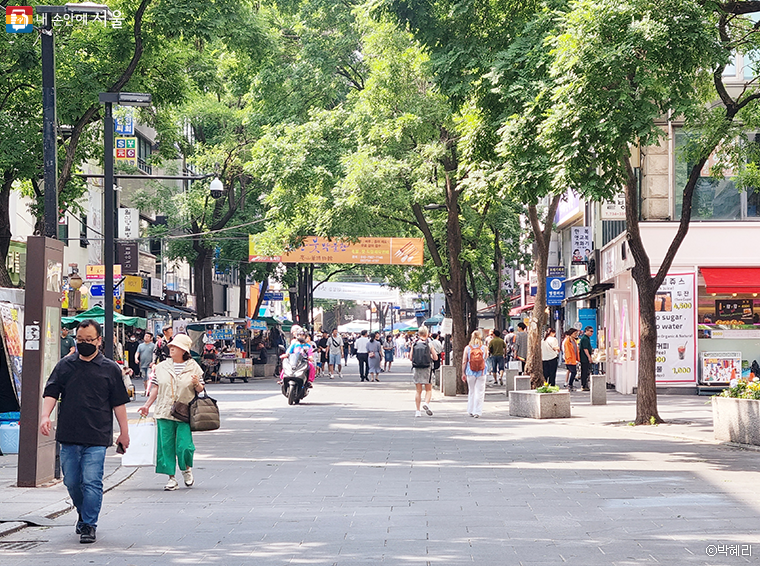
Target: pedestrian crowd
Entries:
(90, 389)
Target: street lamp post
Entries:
(109, 99)
(42, 304)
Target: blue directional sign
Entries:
(97, 290)
(555, 291)
(274, 296)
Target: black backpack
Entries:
(421, 354)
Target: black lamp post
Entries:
(49, 118)
(109, 99)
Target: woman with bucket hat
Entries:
(177, 379)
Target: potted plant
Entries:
(736, 412)
(545, 402)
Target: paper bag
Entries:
(142, 443)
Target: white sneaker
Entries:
(332, 376)
(417, 414)
(171, 485)
(188, 476)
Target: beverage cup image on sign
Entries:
(682, 352)
(663, 302)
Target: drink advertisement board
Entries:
(674, 305)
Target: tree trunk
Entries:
(647, 285)
(243, 284)
(497, 263)
(533, 363)
(5, 228)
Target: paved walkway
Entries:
(351, 477)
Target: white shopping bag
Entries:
(142, 443)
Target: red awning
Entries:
(731, 279)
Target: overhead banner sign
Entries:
(674, 305)
(377, 251)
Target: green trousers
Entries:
(174, 446)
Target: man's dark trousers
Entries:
(363, 365)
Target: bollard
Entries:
(448, 381)
(522, 383)
(509, 379)
(598, 389)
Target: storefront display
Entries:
(721, 367)
(728, 326)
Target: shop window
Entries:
(63, 233)
(728, 332)
(714, 199)
(143, 155)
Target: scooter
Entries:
(295, 377)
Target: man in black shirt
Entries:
(90, 386)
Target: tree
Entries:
(95, 58)
(620, 70)
(521, 75)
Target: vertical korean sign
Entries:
(674, 306)
(582, 244)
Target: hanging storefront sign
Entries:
(580, 287)
(98, 272)
(128, 255)
(674, 304)
(129, 223)
(581, 244)
(555, 291)
(126, 151)
(614, 209)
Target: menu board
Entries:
(676, 357)
(721, 367)
(735, 312)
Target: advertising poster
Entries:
(674, 307)
(10, 315)
(581, 244)
(721, 367)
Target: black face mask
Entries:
(86, 349)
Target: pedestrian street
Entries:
(352, 477)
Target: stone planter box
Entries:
(736, 420)
(539, 405)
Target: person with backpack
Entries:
(474, 373)
(422, 355)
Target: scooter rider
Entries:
(301, 344)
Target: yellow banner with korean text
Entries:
(377, 251)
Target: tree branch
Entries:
(330, 275)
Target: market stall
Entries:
(230, 340)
